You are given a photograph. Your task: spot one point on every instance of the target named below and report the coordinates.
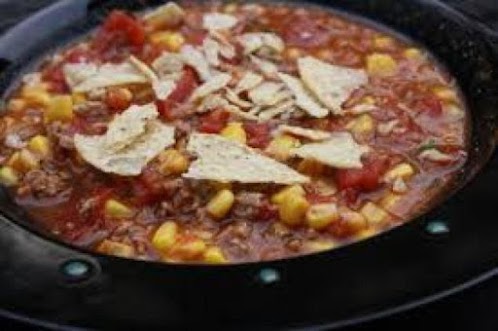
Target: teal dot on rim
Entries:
(437, 227)
(268, 276)
(76, 269)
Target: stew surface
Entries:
(222, 133)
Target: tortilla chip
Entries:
(269, 113)
(212, 85)
(339, 151)
(224, 160)
(303, 99)
(254, 41)
(133, 138)
(310, 134)
(268, 94)
(88, 77)
(167, 64)
(218, 21)
(249, 81)
(171, 14)
(196, 59)
(332, 85)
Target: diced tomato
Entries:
(315, 198)
(55, 77)
(367, 179)
(119, 21)
(302, 31)
(258, 134)
(100, 196)
(78, 55)
(430, 105)
(120, 34)
(214, 122)
(267, 212)
(184, 88)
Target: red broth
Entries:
(409, 113)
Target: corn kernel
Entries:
(60, 109)
(354, 221)
(230, 8)
(389, 201)
(293, 209)
(165, 236)
(322, 215)
(368, 100)
(40, 145)
(362, 125)
(8, 176)
(413, 54)
(36, 96)
(311, 167)
(24, 161)
(445, 93)
(78, 98)
(366, 233)
(402, 170)
(374, 214)
(293, 53)
(383, 42)
(169, 15)
(279, 197)
(221, 204)
(381, 65)
(188, 249)
(116, 249)
(281, 147)
(214, 255)
(172, 40)
(16, 105)
(235, 131)
(172, 162)
(319, 245)
(116, 209)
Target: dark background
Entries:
(475, 309)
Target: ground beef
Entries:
(62, 133)
(248, 205)
(43, 183)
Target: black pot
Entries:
(447, 249)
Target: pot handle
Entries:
(22, 37)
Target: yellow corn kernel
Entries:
(402, 170)
(321, 215)
(116, 249)
(366, 233)
(383, 42)
(169, 15)
(60, 109)
(235, 131)
(220, 204)
(116, 209)
(230, 8)
(311, 167)
(354, 221)
(36, 96)
(446, 94)
(78, 98)
(368, 100)
(16, 105)
(374, 214)
(389, 201)
(165, 236)
(24, 161)
(381, 65)
(173, 162)
(214, 255)
(413, 54)
(172, 40)
(40, 145)
(362, 125)
(279, 197)
(319, 245)
(281, 147)
(218, 186)
(292, 209)
(293, 53)
(8, 176)
(188, 249)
